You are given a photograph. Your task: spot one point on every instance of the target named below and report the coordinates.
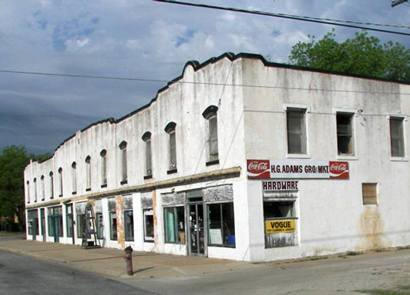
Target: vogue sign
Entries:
(266, 169)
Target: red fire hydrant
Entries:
(128, 260)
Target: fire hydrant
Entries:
(128, 260)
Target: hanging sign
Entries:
(267, 169)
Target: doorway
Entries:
(196, 228)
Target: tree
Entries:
(13, 160)
(362, 55)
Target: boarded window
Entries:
(296, 131)
(396, 137)
(344, 123)
(221, 225)
(369, 193)
(174, 225)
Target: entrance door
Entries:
(35, 227)
(43, 224)
(196, 229)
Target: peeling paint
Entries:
(119, 203)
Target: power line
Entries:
(348, 24)
(81, 76)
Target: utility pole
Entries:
(397, 2)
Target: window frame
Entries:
(352, 116)
(403, 137)
(148, 168)
(305, 111)
(35, 189)
(88, 173)
(128, 238)
(74, 178)
(211, 114)
(176, 231)
(223, 245)
(60, 180)
(104, 168)
(148, 239)
(170, 129)
(51, 178)
(123, 162)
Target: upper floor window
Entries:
(103, 155)
(148, 154)
(123, 155)
(60, 181)
(51, 185)
(172, 150)
(74, 177)
(43, 188)
(28, 191)
(397, 137)
(35, 189)
(210, 114)
(344, 127)
(88, 173)
(296, 130)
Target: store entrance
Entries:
(196, 228)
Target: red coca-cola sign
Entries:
(258, 169)
(339, 170)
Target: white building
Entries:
(237, 158)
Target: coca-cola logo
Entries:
(338, 167)
(258, 166)
(339, 170)
(258, 169)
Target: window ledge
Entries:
(213, 162)
(103, 185)
(172, 171)
(60, 195)
(88, 189)
(399, 159)
(347, 157)
(147, 177)
(74, 193)
(298, 156)
(124, 182)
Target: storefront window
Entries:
(80, 221)
(33, 222)
(70, 220)
(280, 223)
(55, 222)
(148, 225)
(129, 225)
(100, 225)
(221, 225)
(174, 225)
(112, 215)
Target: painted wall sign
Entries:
(265, 169)
(280, 185)
(280, 226)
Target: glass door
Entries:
(196, 229)
(43, 224)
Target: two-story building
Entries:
(237, 158)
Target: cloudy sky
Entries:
(141, 39)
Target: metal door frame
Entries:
(205, 226)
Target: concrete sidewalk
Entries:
(110, 262)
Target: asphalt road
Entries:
(25, 275)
